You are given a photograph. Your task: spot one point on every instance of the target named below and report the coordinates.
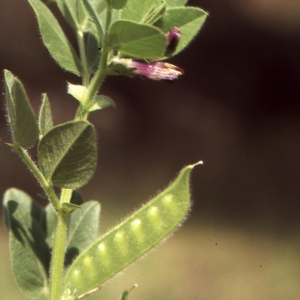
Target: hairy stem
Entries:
(58, 255)
(85, 74)
(39, 176)
(82, 112)
(59, 242)
(59, 249)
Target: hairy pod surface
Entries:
(131, 238)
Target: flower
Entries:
(154, 70)
(173, 37)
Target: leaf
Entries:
(116, 68)
(138, 40)
(135, 10)
(50, 222)
(30, 254)
(69, 207)
(75, 13)
(95, 37)
(83, 229)
(93, 52)
(84, 18)
(54, 38)
(97, 11)
(130, 239)
(77, 91)
(67, 154)
(22, 120)
(118, 4)
(154, 14)
(188, 19)
(100, 8)
(95, 17)
(45, 116)
(101, 102)
(68, 10)
(175, 3)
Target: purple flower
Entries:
(173, 37)
(154, 70)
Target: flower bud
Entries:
(154, 70)
(173, 37)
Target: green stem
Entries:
(59, 242)
(39, 176)
(59, 249)
(65, 196)
(99, 77)
(85, 74)
(58, 256)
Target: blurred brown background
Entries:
(237, 108)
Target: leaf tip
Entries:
(200, 162)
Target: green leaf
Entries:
(116, 68)
(45, 116)
(188, 19)
(82, 229)
(130, 239)
(22, 120)
(95, 37)
(93, 52)
(101, 102)
(69, 207)
(29, 251)
(67, 154)
(135, 10)
(100, 8)
(77, 91)
(118, 4)
(84, 17)
(68, 10)
(54, 38)
(154, 14)
(138, 40)
(75, 13)
(95, 17)
(50, 222)
(175, 3)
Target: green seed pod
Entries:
(128, 241)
